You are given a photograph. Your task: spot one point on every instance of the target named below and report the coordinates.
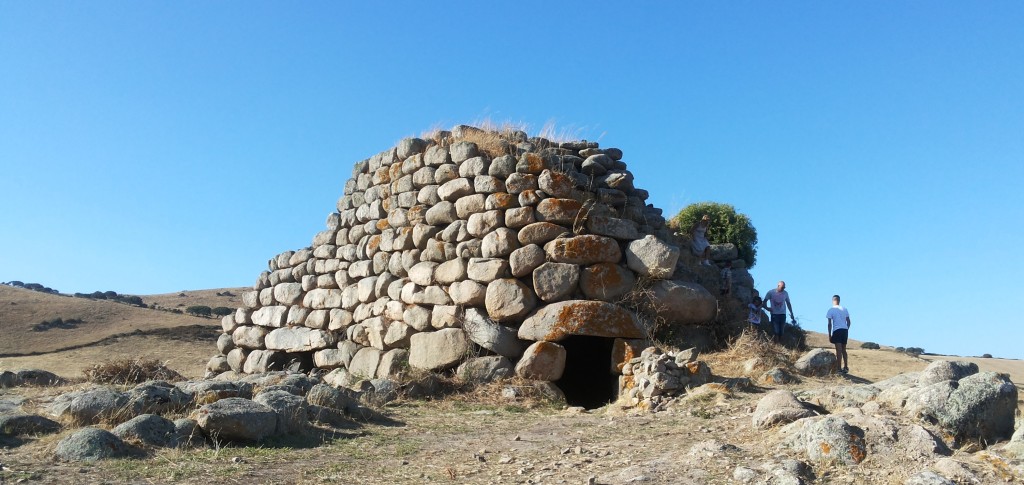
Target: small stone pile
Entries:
(656, 377)
(471, 243)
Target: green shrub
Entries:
(222, 311)
(727, 226)
(915, 351)
(199, 310)
(986, 356)
(901, 349)
(870, 345)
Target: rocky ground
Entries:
(733, 431)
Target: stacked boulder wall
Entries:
(470, 243)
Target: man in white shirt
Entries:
(777, 301)
(838, 332)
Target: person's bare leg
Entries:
(839, 359)
(846, 358)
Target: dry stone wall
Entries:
(469, 244)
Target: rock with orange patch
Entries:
(683, 303)
(606, 281)
(500, 200)
(833, 439)
(556, 184)
(543, 361)
(624, 350)
(541, 232)
(559, 211)
(519, 217)
(530, 163)
(586, 249)
(518, 182)
(556, 321)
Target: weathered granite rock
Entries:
(491, 335)
(555, 281)
(606, 281)
(91, 444)
(946, 370)
(237, 419)
(438, 350)
(982, 407)
(90, 405)
(20, 424)
(558, 320)
(149, 429)
(586, 249)
(652, 257)
(291, 411)
(299, 339)
(777, 408)
(481, 370)
(508, 299)
(816, 362)
(832, 438)
(543, 361)
(683, 303)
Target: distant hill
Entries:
(22, 311)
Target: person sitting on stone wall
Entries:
(701, 246)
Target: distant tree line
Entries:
(32, 286)
(113, 296)
(207, 312)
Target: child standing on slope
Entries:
(754, 312)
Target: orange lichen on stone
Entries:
(504, 200)
(416, 214)
(606, 274)
(373, 244)
(395, 171)
(586, 249)
(387, 204)
(857, 451)
(623, 350)
(580, 317)
(383, 224)
(534, 163)
(628, 382)
(562, 211)
(382, 176)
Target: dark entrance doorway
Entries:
(588, 380)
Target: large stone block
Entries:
(559, 211)
(652, 257)
(586, 249)
(323, 298)
(299, 339)
(508, 299)
(542, 361)
(438, 350)
(558, 320)
(606, 281)
(555, 281)
(270, 316)
(491, 335)
(683, 303)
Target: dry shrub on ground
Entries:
(751, 344)
(129, 371)
(528, 395)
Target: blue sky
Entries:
(878, 147)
